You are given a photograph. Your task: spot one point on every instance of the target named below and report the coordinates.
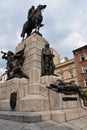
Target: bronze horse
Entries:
(34, 22)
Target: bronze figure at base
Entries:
(14, 64)
(47, 63)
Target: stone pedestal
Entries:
(14, 85)
(32, 63)
(33, 94)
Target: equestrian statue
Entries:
(34, 20)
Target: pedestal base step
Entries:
(58, 116)
(65, 115)
(29, 117)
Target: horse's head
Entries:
(41, 7)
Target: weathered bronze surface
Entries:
(34, 20)
(14, 64)
(47, 63)
(68, 89)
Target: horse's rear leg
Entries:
(22, 35)
(36, 25)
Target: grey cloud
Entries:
(65, 24)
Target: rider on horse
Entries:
(34, 20)
(31, 12)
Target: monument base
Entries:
(35, 102)
(20, 86)
(35, 96)
(58, 116)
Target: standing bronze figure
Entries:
(47, 63)
(34, 20)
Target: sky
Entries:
(65, 24)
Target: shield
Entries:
(13, 100)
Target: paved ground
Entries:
(77, 124)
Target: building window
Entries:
(84, 69)
(71, 74)
(82, 58)
(85, 82)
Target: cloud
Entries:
(72, 41)
(74, 38)
(65, 26)
(67, 29)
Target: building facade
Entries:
(56, 58)
(66, 71)
(80, 56)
